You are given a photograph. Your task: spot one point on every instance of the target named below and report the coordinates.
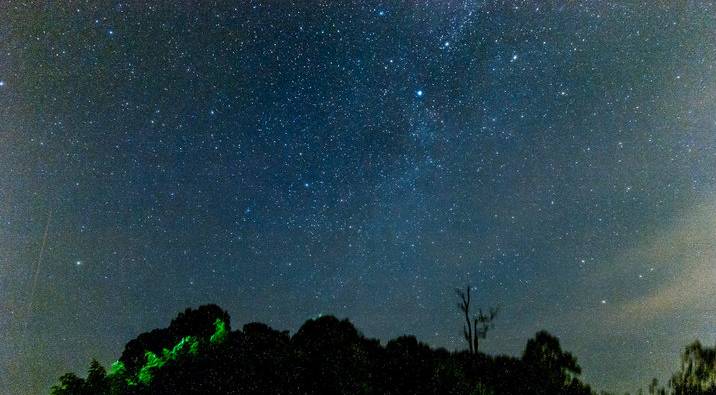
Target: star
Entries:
(526, 158)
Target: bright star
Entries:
(419, 93)
(78, 263)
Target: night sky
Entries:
(286, 159)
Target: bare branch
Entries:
(480, 324)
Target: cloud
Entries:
(684, 258)
(692, 292)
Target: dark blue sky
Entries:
(287, 159)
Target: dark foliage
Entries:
(325, 356)
(191, 322)
(697, 375)
(550, 370)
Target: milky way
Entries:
(292, 158)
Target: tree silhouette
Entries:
(69, 384)
(97, 382)
(199, 323)
(199, 354)
(697, 374)
(481, 323)
(553, 370)
(334, 356)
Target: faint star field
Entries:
(285, 159)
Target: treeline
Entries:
(696, 374)
(199, 354)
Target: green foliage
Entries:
(117, 369)
(220, 332)
(194, 348)
(188, 345)
(326, 355)
(153, 362)
(119, 378)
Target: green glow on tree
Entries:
(153, 362)
(220, 332)
(117, 369)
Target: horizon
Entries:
(363, 159)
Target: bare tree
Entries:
(482, 324)
(477, 328)
(464, 306)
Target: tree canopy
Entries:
(199, 354)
